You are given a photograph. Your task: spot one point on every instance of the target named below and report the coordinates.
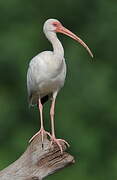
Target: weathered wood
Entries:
(37, 162)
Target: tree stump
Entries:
(37, 162)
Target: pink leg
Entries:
(42, 130)
(53, 138)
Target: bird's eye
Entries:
(55, 24)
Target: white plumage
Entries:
(46, 74)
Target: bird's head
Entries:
(53, 25)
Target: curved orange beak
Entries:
(65, 31)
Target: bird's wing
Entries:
(32, 73)
(36, 74)
(43, 68)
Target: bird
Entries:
(46, 76)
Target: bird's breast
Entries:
(46, 74)
(53, 78)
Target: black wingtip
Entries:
(44, 99)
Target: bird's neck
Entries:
(57, 46)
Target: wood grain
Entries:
(37, 162)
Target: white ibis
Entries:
(46, 75)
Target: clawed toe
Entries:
(64, 142)
(42, 132)
(58, 142)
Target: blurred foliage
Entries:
(86, 109)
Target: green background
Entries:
(86, 109)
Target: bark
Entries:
(37, 162)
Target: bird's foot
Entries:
(58, 142)
(41, 132)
